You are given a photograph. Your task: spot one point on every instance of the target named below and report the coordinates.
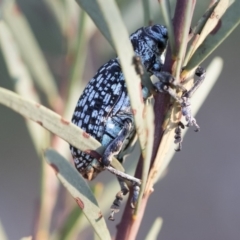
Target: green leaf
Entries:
(80, 53)
(149, 121)
(227, 24)
(146, 12)
(93, 10)
(110, 189)
(113, 25)
(54, 123)
(155, 229)
(165, 10)
(31, 51)
(21, 79)
(201, 27)
(80, 191)
(3, 235)
(58, 10)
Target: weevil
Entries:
(104, 111)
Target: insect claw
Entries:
(179, 147)
(133, 204)
(111, 217)
(197, 130)
(114, 209)
(136, 190)
(181, 125)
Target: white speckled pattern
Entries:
(104, 105)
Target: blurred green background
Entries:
(198, 198)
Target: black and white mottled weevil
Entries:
(104, 111)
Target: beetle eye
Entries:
(165, 35)
(155, 28)
(161, 30)
(162, 44)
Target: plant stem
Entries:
(129, 226)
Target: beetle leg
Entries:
(113, 149)
(178, 136)
(186, 105)
(166, 84)
(118, 199)
(136, 190)
(115, 146)
(123, 178)
(201, 74)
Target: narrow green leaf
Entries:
(165, 10)
(75, 221)
(149, 121)
(227, 24)
(110, 190)
(3, 235)
(53, 122)
(58, 11)
(93, 10)
(31, 51)
(125, 52)
(155, 229)
(213, 20)
(23, 85)
(146, 12)
(56, 124)
(80, 51)
(120, 41)
(198, 29)
(80, 191)
(71, 222)
(21, 80)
